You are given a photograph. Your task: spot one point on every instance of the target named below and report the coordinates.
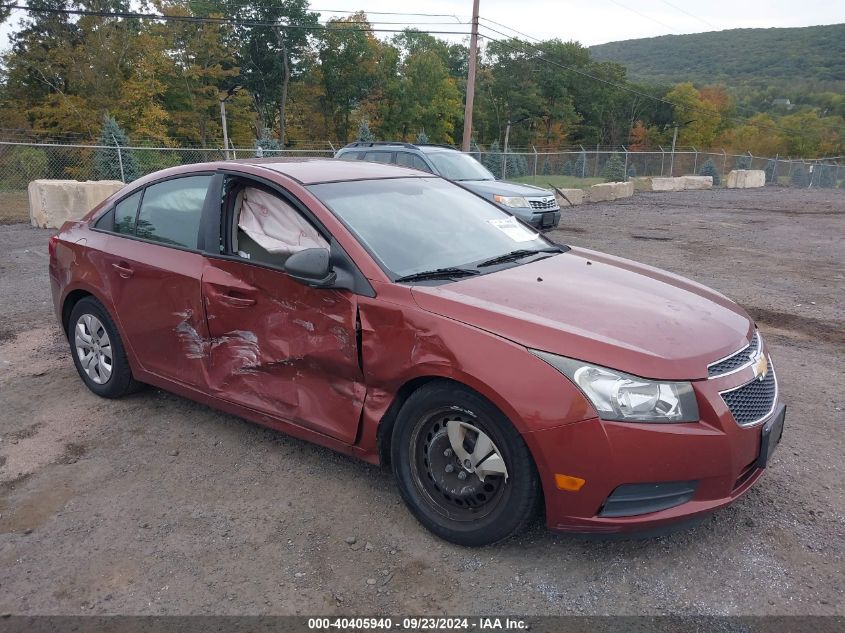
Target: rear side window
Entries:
(406, 159)
(171, 211)
(125, 212)
(350, 156)
(378, 157)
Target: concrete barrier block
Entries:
(698, 182)
(573, 198)
(608, 191)
(54, 202)
(746, 179)
(643, 183)
(667, 184)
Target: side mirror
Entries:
(311, 267)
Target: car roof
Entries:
(311, 171)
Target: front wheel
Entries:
(463, 469)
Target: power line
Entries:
(694, 17)
(642, 15)
(212, 20)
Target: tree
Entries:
(364, 134)
(708, 168)
(271, 56)
(614, 169)
(109, 162)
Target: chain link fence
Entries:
(581, 167)
(22, 162)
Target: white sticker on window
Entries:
(514, 230)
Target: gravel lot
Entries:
(156, 505)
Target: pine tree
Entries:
(580, 167)
(492, 160)
(614, 169)
(799, 177)
(568, 169)
(824, 176)
(475, 150)
(708, 168)
(107, 160)
(266, 143)
(422, 138)
(364, 134)
(547, 167)
(632, 171)
(770, 170)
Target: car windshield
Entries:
(412, 225)
(457, 166)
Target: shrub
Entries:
(108, 160)
(580, 167)
(799, 177)
(24, 165)
(824, 176)
(632, 171)
(743, 162)
(614, 169)
(492, 160)
(708, 168)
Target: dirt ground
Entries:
(156, 505)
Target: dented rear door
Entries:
(282, 348)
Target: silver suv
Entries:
(533, 205)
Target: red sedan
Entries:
(400, 318)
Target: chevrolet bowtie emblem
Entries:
(760, 367)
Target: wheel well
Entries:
(388, 420)
(70, 301)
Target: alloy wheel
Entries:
(93, 348)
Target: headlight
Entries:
(515, 203)
(626, 398)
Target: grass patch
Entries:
(14, 207)
(561, 182)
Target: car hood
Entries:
(490, 188)
(601, 309)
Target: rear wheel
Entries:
(462, 468)
(97, 350)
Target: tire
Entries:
(461, 508)
(91, 329)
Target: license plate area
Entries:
(770, 436)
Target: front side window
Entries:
(267, 228)
(171, 211)
(420, 224)
(458, 166)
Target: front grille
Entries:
(753, 402)
(735, 361)
(543, 204)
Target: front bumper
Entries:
(719, 460)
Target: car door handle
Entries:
(123, 270)
(238, 302)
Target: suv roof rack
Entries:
(396, 144)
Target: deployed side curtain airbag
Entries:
(275, 225)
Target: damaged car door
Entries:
(277, 345)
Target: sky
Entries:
(598, 21)
(586, 21)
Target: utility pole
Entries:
(672, 160)
(473, 59)
(225, 127)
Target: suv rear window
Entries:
(171, 211)
(378, 157)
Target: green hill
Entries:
(811, 56)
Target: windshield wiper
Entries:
(514, 255)
(439, 273)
